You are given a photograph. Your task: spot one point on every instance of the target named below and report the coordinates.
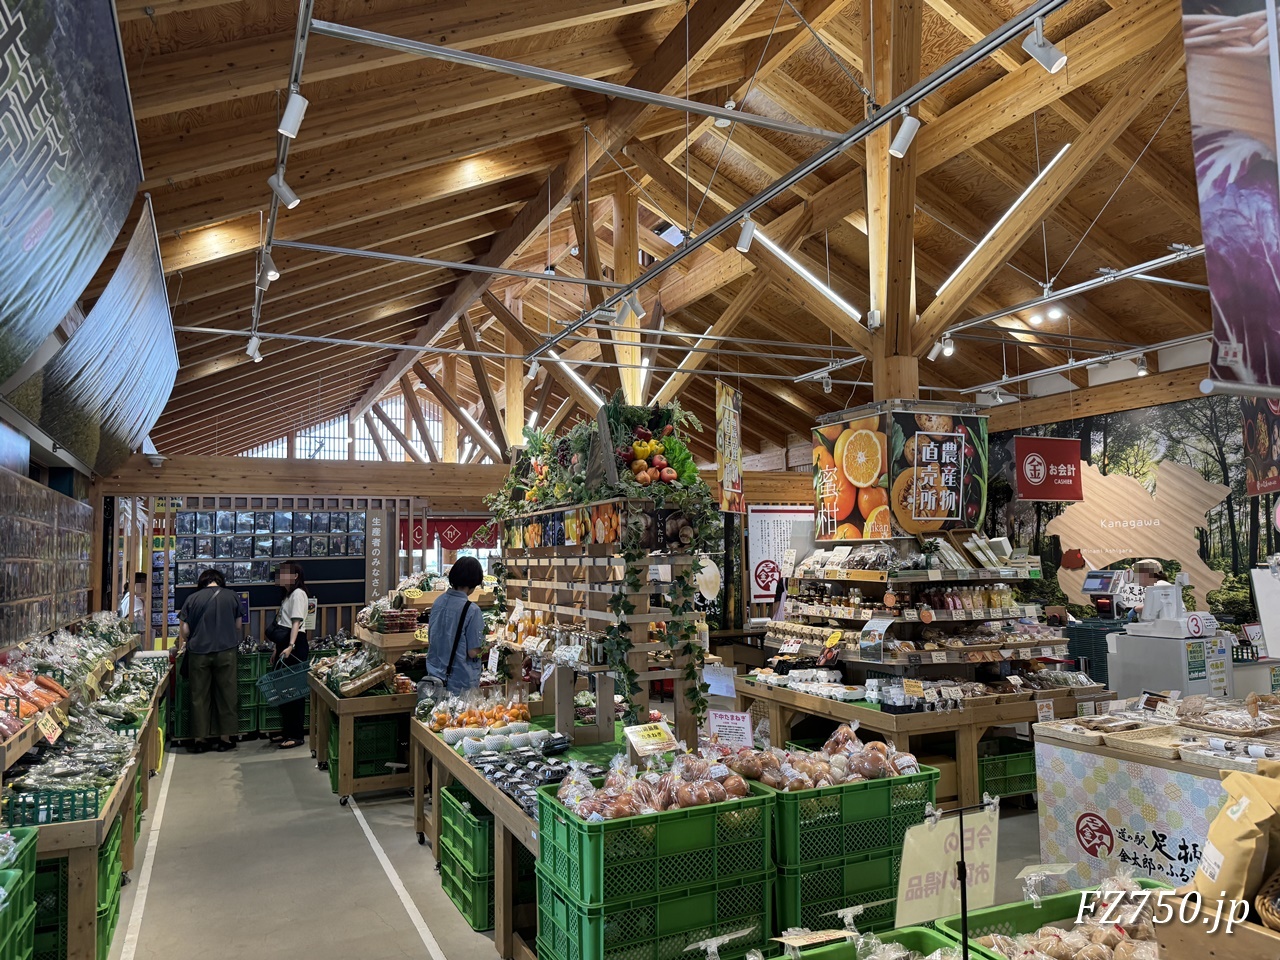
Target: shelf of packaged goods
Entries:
(522, 559)
(1033, 651)
(840, 575)
(606, 616)
(833, 612)
(968, 725)
(581, 586)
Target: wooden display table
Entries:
(968, 725)
(430, 755)
(78, 840)
(325, 703)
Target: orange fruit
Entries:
(841, 503)
(822, 460)
(884, 449)
(878, 524)
(865, 423)
(831, 431)
(860, 458)
(847, 531)
(871, 498)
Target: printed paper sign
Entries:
(494, 655)
(648, 739)
(731, 729)
(927, 883)
(771, 532)
(871, 639)
(720, 679)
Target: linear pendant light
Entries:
(803, 271)
(1001, 222)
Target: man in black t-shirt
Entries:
(210, 631)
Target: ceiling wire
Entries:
(869, 99)
(1136, 161)
(1044, 231)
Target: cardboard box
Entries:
(946, 766)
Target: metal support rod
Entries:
(573, 81)
(447, 264)
(1265, 391)
(1169, 281)
(886, 114)
(1084, 287)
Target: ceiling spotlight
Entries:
(1042, 51)
(1142, 366)
(935, 350)
(573, 251)
(745, 237)
(550, 270)
(1056, 312)
(906, 133)
(636, 307)
(251, 350)
(948, 346)
(723, 122)
(826, 384)
(273, 272)
(997, 396)
(264, 277)
(282, 190)
(293, 113)
(533, 371)
(1035, 319)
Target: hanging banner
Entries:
(102, 392)
(1261, 419)
(938, 471)
(1048, 468)
(851, 480)
(378, 568)
(419, 534)
(729, 448)
(771, 532)
(69, 164)
(1233, 83)
(458, 532)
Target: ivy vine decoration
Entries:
(500, 605)
(617, 640)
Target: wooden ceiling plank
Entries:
(184, 80)
(1144, 80)
(442, 395)
(626, 268)
(397, 433)
(695, 38)
(975, 20)
(419, 418)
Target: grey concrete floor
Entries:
(255, 858)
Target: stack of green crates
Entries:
(466, 859)
(51, 900)
(249, 667)
(137, 805)
(18, 920)
(644, 888)
(842, 845)
(378, 742)
(1006, 767)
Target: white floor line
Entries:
(148, 861)
(428, 938)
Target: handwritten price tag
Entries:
(939, 656)
(495, 653)
(48, 727)
(1167, 711)
(650, 738)
(913, 688)
(930, 695)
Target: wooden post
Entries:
(449, 380)
(514, 375)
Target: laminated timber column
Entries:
(449, 427)
(626, 267)
(892, 46)
(514, 390)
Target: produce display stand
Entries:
(325, 704)
(431, 756)
(78, 840)
(390, 645)
(968, 725)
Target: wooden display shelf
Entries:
(324, 704)
(955, 655)
(434, 760)
(968, 725)
(832, 612)
(389, 643)
(484, 598)
(522, 558)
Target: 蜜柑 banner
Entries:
(729, 448)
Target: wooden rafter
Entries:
(377, 439)
(464, 421)
(397, 433)
(419, 418)
(471, 342)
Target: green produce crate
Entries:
(53, 806)
(1006, 767)
(808, 896)
(10, 880)
(250, 666)
(269, 717)
(333, 773)
(108, 918)
(472, 894)
(614, 860)
(110, 868)
(379, 738)
(51, 944)
(247, 695)
(247, 718)
(654, 927)
(1013, 919)
(916, 939)
(850, 819)
(51, 892)
(468, 829)
(24, 861)
(18, 943)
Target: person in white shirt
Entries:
(291, 644)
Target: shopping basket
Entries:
(284, 685)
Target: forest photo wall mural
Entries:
(1205, 436)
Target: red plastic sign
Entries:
(1048, 468)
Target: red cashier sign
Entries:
(1048, 468)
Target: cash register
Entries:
(1104, 588)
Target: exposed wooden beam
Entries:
(471, 342)
(589, 257)
(540, 404)
(626, 267)
(472, 429)
(681, 53)
(528, 339)
(397, 433)
(513, 374)
(1132, 394)
(1143, 81)
(377, 440)
(419, 418)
